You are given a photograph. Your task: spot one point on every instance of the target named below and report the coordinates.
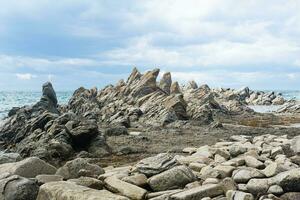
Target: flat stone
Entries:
(29, 168)
(199, 192)
(65, 190)
(253, 162)
(156, 164)
(245, 174)
(44, 178)
(258, 186)
(174, 178)
(126, 189)
(238, 195)
(136, 179)
(88, 182)
(79, 167)
(275, 189)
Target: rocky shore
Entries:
(149, 139)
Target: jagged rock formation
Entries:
(56, 133)
(41, 130)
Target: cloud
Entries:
(26, 76)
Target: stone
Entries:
(136, 179)
(44, 178)
(225, 171)
(275, 189)
(175, 88)
(196, 193)
(196, 166)
(166, 82)
(238, 195)
(245, 174)
(174, 178)
(156, 164)
(258, 186)
(126, 189)
(210, 181)
(273, 169)
(18, 188)
(288, 180)
(9, 157)
(228, 184)
(253, 162)
(65, 190)
(236, 150)
(295, 145)
(290, 196)
(28, 168)
(116, 131)
(88, 182)
(79, 167)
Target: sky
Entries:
(223, 43)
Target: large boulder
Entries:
(29, 168)
(174, 178)
(18, 188)
(156, 164)
(79, 167)
(66, 190)
(126, 189)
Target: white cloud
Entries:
(26, 76)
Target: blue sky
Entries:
(224, 43)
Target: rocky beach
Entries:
(148, 137)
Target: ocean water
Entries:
(17, 99)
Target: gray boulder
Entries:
(174, 178)
(66, 190)
(79, 167)
(29, 168)
(156, 164)
(9, 157)
(18, 188)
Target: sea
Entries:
(9, 99)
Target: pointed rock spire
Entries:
(175, 88)
(166, 82)
(135, 74)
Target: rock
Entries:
(238, 195)
(48, 100)
(116, 131)
(290, 196)
(243, 175)
(295, 146)
(175, 88)
(28, 168)
(147, 84)
(79, 167)
(65, 190)
(196, 166)
(174, 178)
(253, 162)
(88, 182)
(18, 188)
(225, 171)
(164, 195)
(126, 189)
(211, 190)
(228, 184)
(275, 189)
(83, 131)
(165, 82)
(258, 186)
(156, 164)
(288, 180)
(44, 178)
(236, 150)
(9, 157)
(136, 179)
(273, 169)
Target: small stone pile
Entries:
(246, 168)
